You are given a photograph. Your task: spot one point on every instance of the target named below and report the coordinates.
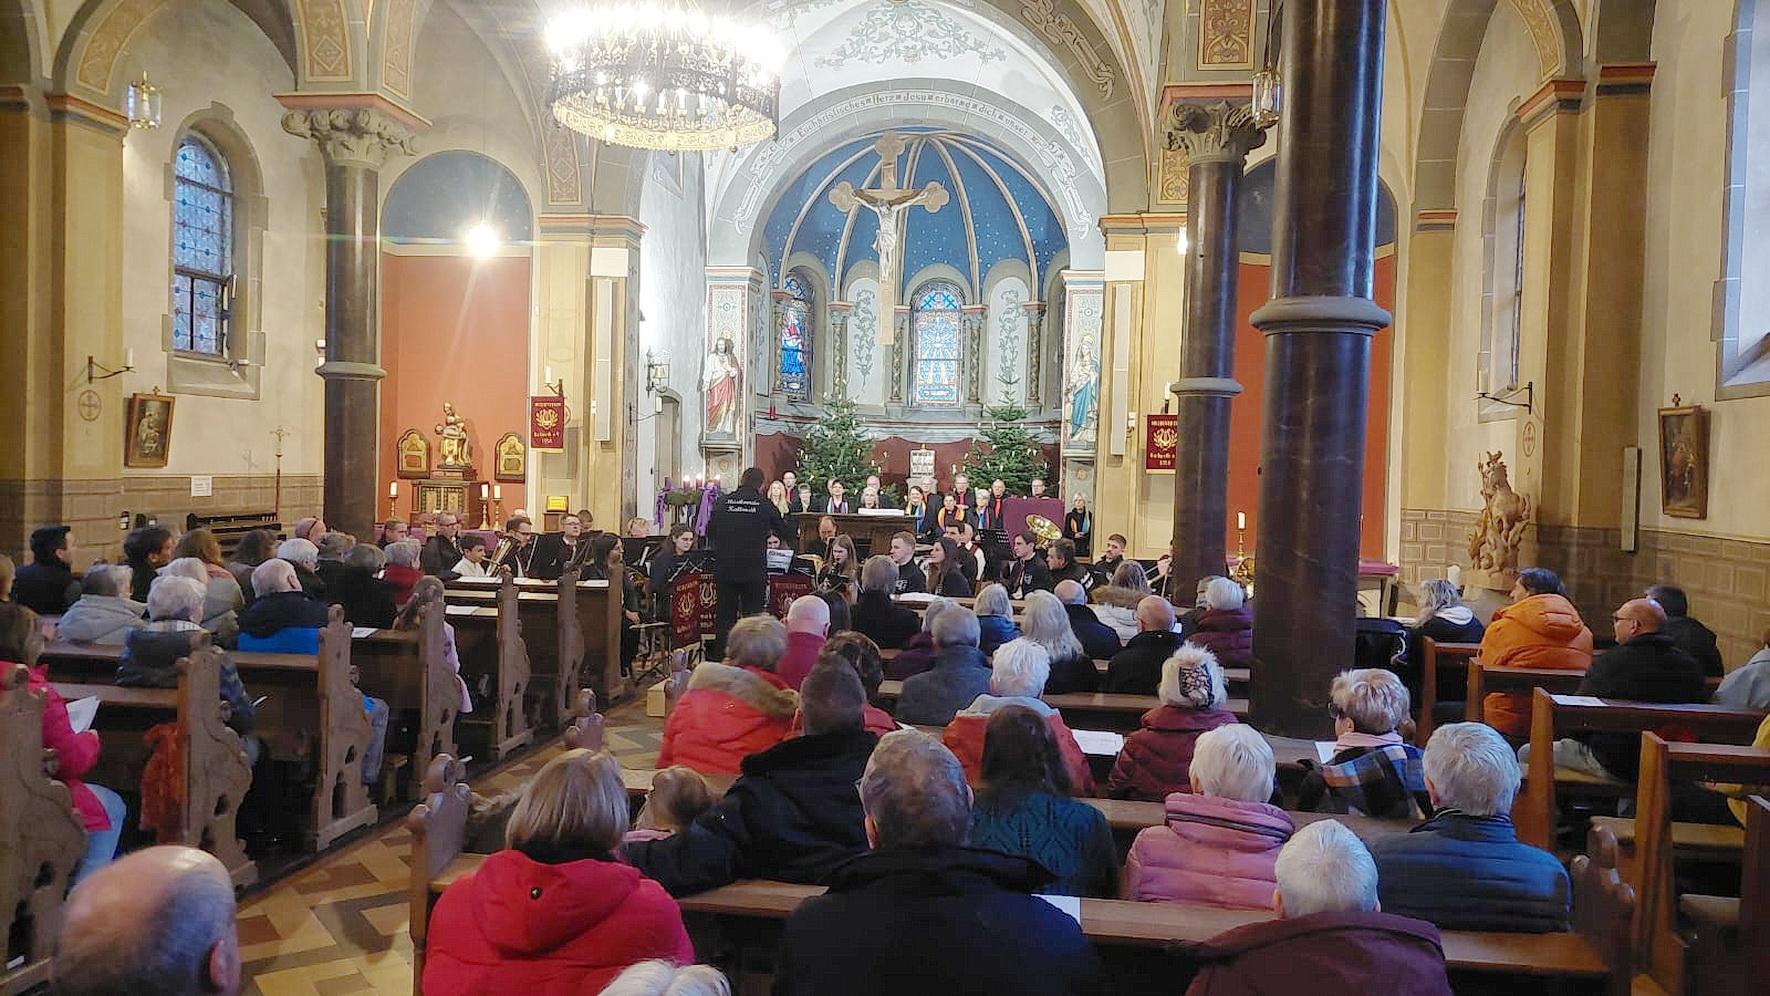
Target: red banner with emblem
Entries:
(685, 609)
(547, 423)
(783, 588)
(1161, 443)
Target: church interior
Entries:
(1334, 298)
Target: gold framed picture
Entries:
(1684, 462)
(414, 454)
(512, 458)
(147, 435)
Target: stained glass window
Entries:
(202, 247)
(795, 338)
(935, 335)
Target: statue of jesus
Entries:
(890, 202)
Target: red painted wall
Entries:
(454, 329)
(1254, 290)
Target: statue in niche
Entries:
(723, 382)
(1085, 387)
(1493, 546)
(452, 436)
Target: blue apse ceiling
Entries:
(995, 211)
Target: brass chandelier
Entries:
(664, 75)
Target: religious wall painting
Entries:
(863, 339)
(793, 367)
(511, 458)
(1006, 355)
(1081, 370)
(1684, 461)
(412, 454)
(147, 440)
(723, 382)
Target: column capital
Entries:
(355, 136)
(1213, 131)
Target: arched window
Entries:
(935, 337)
(1742, 318)
(202, 247)
(794, 378)
(1503, 283)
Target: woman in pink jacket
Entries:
(1221, 841)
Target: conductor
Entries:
(738, 532)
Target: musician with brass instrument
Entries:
(515, 554)
(1028, 573)
(557, 553)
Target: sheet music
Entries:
(1099, 743)
(81, 713)
(358, 632)
(1324, 749)
(1068, 904)
(1589, 701)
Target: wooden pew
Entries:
(41, 838)
(1554, 716)
(438, 826)
(1663, 764)
(572, 632)
(490, 638)
(1450, 656)
(1485, 678)
(1730, 938)
(410, 671)
(1090, 710)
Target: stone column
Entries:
(1217, 136)
(838, 349)
(973, 325)
(777, 317)
(900, 322)
(1318, 328)
(355, 144)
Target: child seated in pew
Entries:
(101, 810)
(678, 795)
(1372, 772)
(151, 654)
(429, 591)
(1017, 678)
(1219, 841)
(1154, 761)
(859, 652)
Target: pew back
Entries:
(41, 837)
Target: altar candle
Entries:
(1241, 520)
(393, 489)
(484, 491)
(497, 492)
(128, 359)
(549, 375)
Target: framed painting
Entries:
(147, 438)
(414, 454)
(1684, 462)
(512, 458)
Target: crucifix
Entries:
(890, 202)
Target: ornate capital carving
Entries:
(1214, 131)
(351, 136)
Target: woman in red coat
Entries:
(734, 709)
(101, 811)
(1157, 759)
(556, 911)
(1227, 626)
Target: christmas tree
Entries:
(836, 450)
(1005, 452)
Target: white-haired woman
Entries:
(995, 618)
(1156, 760)
(150, 654)
(402, 571)
(1226, 627)
(1018, 673)
(662, 978)
(1116, 603)
(1372, 771)
(1045, 622)
(221, 597)
(1218, 842)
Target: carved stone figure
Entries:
(452, 433)
(1493, 546)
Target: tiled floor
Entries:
(339, 925)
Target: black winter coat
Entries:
(1648, 668)
(270, 614)
(1137, 669)
(1693, 638)
(367, 600)
(1099, 640)
(792, 816)
(738, 533)
(888, 624)
(45, 588)
(948, 920)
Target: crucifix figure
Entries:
(890, 202)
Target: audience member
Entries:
(995, 618)
(5, 578)
(472, 563)
(253, 549)
(1028, 573)
(1644, 666)
(1226, 628)
(282, 618)
(734, 709)
(1045, 622)
(334, 549)
(1748, 686)
(861, 654)
(160, 920)
(888, 624)
(663, 978)
(394, 530)
(1443, 616)
(792, 815)
(946, 570)
(367, 600)
(1372, 772)
(444, 550)
(1465, 869)
(918, 652)
(429, 591)
(1116, 604)
(1017, 677)
(1137, 669)
(310, 528)
(305, 558)
(905, 918)
(146, 550)
(402, 572)
(1099, 641)
(808, 626)
(1188, 620)
(1686, 633)
(1540, 629)
(840, 617)
(840, 568)
(960, 674)
(224, 591)
(556, 910)
(1330, 938)
(221, 597)
(1023, 807)
(151, 654)
(68, 755)
(46, 585)
(1156, 759)
(677, 797)
(1220, 836)
(102, 614)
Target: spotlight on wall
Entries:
(1182, 243)
(482, 240)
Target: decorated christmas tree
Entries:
(836, 449)
(1004, 451)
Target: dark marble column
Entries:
(1217, 137)
(1318, 329)
(355, 144)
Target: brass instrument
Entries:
(502, 550)
(1048, 532)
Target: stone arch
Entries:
(393, 43)
(21, 41)
(99, 32)
(1622, 31)
(1554, 29)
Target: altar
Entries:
(871, 533)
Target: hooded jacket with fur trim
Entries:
(727, 714)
